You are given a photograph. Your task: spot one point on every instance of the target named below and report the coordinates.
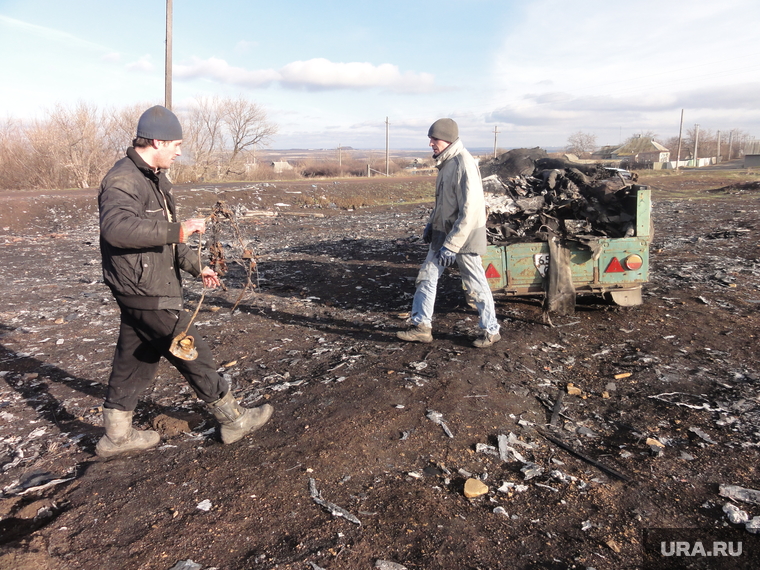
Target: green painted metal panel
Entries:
(525, 264)
(644, 212)
(620, 249)
(520, 268)
(493, 263)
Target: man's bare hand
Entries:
(192, 226)
(210, 278)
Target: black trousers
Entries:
(144, 337)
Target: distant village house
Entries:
(639, 150)
(280, 166)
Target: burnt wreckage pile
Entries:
(530, 197)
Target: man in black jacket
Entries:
(143, 248)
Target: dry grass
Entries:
(354, 194)
(690, 183)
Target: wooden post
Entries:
(387, 157)
(680, 131)
(168, 70)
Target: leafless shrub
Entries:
(78, 147)
(14, 155)
(312, 168)
(580, 143)
(122, 127)
(219, 134)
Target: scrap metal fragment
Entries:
(437, 417)
(186, 565)
(735, 514)
(594, 462)
(702, 435)
(557, 408)
(670, 398)
(487, 449)
(507, 452)
(332, 508)
(531, 470)
(739, 494)
(38, 482)
(387, 565)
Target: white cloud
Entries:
(219, 70)
(565, 68)
(320, 73)
(113, 57)
(144, 64)
(244, 46)
(314, 74)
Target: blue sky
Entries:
(330, 72)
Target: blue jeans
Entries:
(474, 280)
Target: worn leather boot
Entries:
(121, 437)
(486, 340)
(237, 421)
(417, 333)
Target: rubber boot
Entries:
(237, 421)
(121, 437)
(416, 333)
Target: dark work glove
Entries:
(427, 233)
(446, 257)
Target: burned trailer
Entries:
(566, 229)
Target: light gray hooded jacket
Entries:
(459, 215)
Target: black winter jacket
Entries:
(139, 245)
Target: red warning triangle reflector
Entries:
(614, 266)
(491, 272)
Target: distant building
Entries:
(752, 154)
(604, 153)
(641, 150)
(280, 166)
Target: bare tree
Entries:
(706, 142)
(738, 139)
(121, 127)
(651, 135)
(247, 125)
(580, 143)
(203, 132)
(75, 147)
(14, 155)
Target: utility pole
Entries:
(717, 157)
(495, 132)
(387, 157)
(168, 71)
(680, 131)
(696, 141)
(340, 161)
(730, 142)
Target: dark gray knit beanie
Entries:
(445, 130)
(159, 123)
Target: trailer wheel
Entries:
(626, 298)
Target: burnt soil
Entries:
(668, 408)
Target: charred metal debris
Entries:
(530, 197)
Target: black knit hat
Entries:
(444, 130)
(159, 123)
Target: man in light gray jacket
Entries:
(456, 231)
